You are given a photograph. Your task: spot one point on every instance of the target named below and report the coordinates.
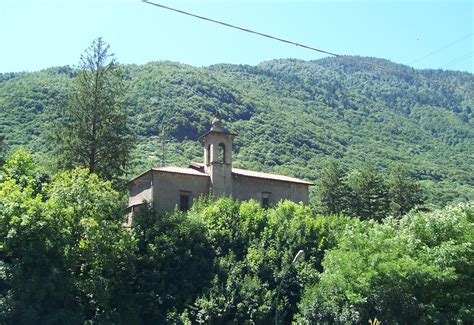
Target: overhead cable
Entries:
(459, 59)
(344, 57)
(442, 48)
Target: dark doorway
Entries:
(184, 202)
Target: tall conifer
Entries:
(369, 195)
(93, 131)
(332, 191)
(404, 193)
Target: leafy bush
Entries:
(417, 269)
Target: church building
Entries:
(169, 187)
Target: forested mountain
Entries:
(291, 115)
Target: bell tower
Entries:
(218, 157)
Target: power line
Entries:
(459, 59)
(344, 57)
(442, 48)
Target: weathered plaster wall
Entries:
(140, 190)
(245, 188)
(168, 186)
(164, 189)
(221, 178)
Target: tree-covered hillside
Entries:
(290, 115)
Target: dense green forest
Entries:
(291, 116)
(67, 258)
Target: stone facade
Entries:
(169, 187)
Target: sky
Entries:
(424, 34)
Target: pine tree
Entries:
(93, 131)
(368, 194)
(331, 189)
(404, 193)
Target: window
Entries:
(184, 201)
(266, 199)
(265, 203)
(208, 162)
(221, 153)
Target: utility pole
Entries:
(162, 135)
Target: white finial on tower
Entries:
(217, 125)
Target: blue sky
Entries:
(40, 34)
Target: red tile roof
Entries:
(236, 171)
(250, 173)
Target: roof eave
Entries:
(303, 182)
(213, 131)
(140, 175)
(177, 172)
